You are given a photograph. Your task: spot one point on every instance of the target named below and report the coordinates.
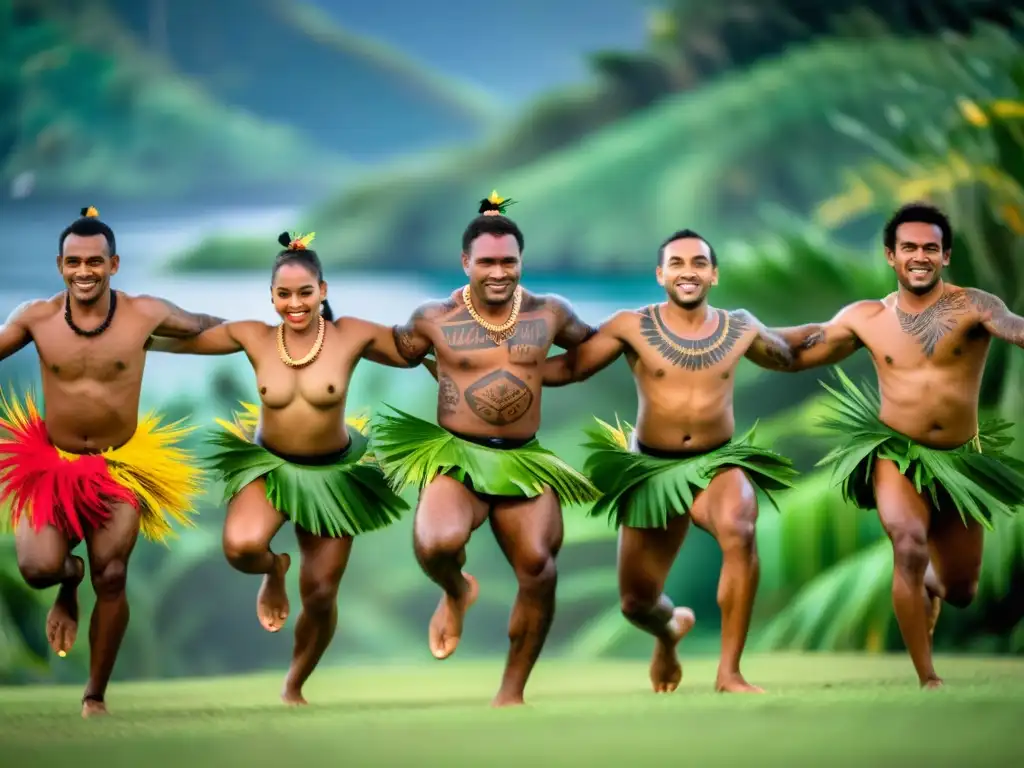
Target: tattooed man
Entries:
(490, 340)
(917, 453)
(681, 461)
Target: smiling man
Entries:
(917, 453)
(482, 459)
(682, 460)
(89, 469)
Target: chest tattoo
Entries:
(930, 326)
(692, 354)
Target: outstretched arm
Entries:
(818, 344)
(768, 349)
(219, 340)
(600, 349)
(380, 344)
(14, 333)
(996, 317)
(410, 342)
(174, 322)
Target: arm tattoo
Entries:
(571, 330)
(930, 326)
(693, 354)
(412, 345)
(181, 324)
(997, 316)
(499, 398)
(816, 338)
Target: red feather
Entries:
(70, 495)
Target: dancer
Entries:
(483, 461)
(295, 457)
(915, 451)
(90, 469)
(682, 460)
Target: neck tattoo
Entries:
(310, 356)
(98, 329)
(692, 354)
(499, 334)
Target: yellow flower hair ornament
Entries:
(495, 205)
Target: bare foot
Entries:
(93, 708)
(446, 623)
(62, 620)
(934, 682)
(735, 683)
(272, 600)
(666, 671)
(293, 698)
(508, 700)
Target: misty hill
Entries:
(87, 112)
(290, 62)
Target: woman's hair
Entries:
(296, 252)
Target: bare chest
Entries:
(661, 355)
(898, 341)
(117, 354)
(322, 384)
(465, 345)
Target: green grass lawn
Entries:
(822, 710)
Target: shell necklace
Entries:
(310, 356)
(496, 333)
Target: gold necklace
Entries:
(312, 355)
(496, 333)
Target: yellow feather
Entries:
(91, 212)
(495, 198)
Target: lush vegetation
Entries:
(766, 134)
(91, 106)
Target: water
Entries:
(379, 296)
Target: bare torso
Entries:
(685, 396)
(303, 411)
(487, 390)
(929, 366)
(91, 385)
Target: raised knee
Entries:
(108, 579)
(40, 573)
(961, 594)
(737, 526)
(239, 549)
(440, 543)
(636, 606)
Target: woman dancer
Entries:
(293, 457)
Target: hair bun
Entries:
(284, 239)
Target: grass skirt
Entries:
(977, 478)
(74, 493)
(413, 452)
(344, 498)
(641, 491)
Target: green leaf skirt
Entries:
(977, 477)
(413, 452)
(346, 496)
(642, 491)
